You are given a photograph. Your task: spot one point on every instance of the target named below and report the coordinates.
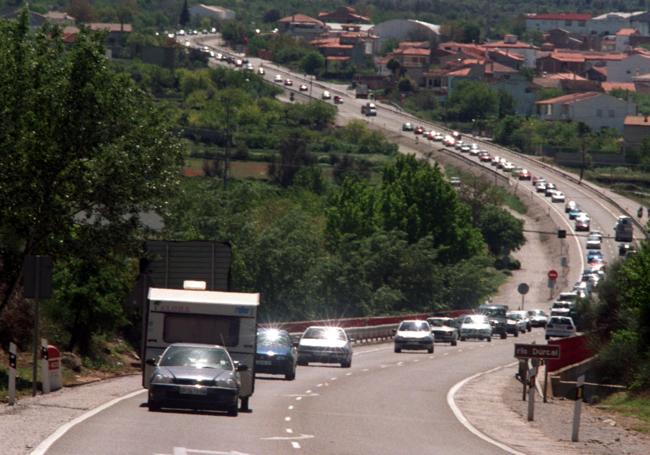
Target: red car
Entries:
(484, 157)
(338, 99)
(418, 130)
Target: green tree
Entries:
(87, 152)
(184, 18)
(234, 32)
(502, 231)
(312, 63)
(471, 100)
(81, 10)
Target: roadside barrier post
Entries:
(12, 374)
(577, 408)
(45, 373)
(523, 372)
(532, 374)
(545, 379)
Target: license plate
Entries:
(264, 362)
(192, 390)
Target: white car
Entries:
(261, 71)
(560, 326)
(508, 167)
(278, 78)
(593, 242)
(475, 326)
(326, 95)
(413, 334)
(571, 205)
(538, 318)
(438, 137)
(557, 196)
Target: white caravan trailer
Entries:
(194, 315)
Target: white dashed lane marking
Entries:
(290, 407)
(289, 430)
(295, 445)
(287, 419)
(298, 398)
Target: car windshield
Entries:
(493, 312)
(515, 316)
(414, 326)
(474, 320)
(324, 333)
(273, 337)
(438, 322)
(196, 356)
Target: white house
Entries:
(571, 22)
(216, 12)
(610, 23)
(626, 69)
(597, 110)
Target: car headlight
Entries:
(160, 378)
(229, 382)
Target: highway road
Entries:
(387, 403)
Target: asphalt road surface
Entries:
(387, 403)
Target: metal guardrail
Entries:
(364, 335)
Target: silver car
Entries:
(475, 326)
(325, 344)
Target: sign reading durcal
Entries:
(537, 351)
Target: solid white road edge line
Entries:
(47, 443)
(463, 420)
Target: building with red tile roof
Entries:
(345, 15)
(636, 128)
(571, 22)
(301, 26)
(609, 86)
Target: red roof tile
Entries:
(626, 32)
(637, 120)
(564, 77)
(337, 58)
(504, 45)
(570, 99)
(412, 51)
(609, 86)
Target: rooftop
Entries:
(110, 27)
(570, 99)
(300, 19)
(637, 120)
(626, 32)
(609, 86)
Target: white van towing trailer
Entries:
(195, 315)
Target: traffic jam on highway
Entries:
(176, 372)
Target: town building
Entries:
(626, 69)
(301, 26)
(571, 22)
(404, 30)
(597, 110)
(59, 18)
(636, 129)
(611, 23)
(512, 45)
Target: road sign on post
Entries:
(552, 275)
(523, 289)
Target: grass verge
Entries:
(630, 405)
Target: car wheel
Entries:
(489, 339)
(430, 350)
(346, 364)
(516, 333)
(290, 376)
(397, 350)
(233, 411)
(547, 337)
(530, 329)
(454, 342)
(302, 363)
(504, 336)
(462, 338)
(153, 407)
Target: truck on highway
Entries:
(195, 315)
(623, 229)
(361, 91)
(369, 110)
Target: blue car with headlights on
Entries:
(195, 376)
(275, 353)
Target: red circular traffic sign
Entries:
(552, 275)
